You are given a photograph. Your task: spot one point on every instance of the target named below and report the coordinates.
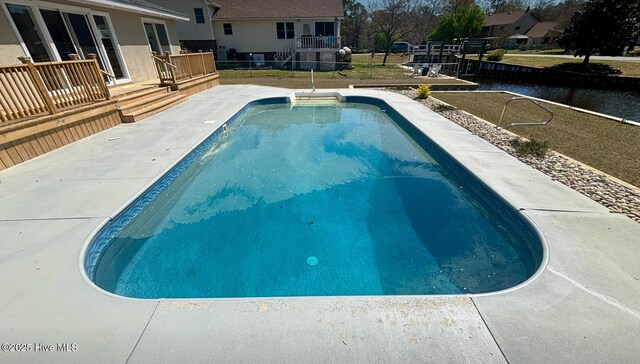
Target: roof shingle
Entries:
(255, 9)
(541, 29)
(503, 18)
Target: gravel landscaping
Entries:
(617, 197)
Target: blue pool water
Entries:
(334, 199)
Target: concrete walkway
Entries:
(582, 307)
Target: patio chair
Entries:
(434, 70)
(416, 70)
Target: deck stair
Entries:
(285, 54)
(138, 105)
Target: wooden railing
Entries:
(310, 42)
(32, 89)
(164, 69)
(179, 67)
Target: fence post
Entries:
(42, 90)
(213, 58)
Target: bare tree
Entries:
(453, 5)
(429, 16)
(394, 20)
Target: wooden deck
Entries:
(44, 106)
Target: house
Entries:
(72, 68)
(292, 33)
(197, 33)
(543, 35)
(121, 33)
(498, 27)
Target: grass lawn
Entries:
(531, 51)
(627, 68)
(364, 72)
(604, 144)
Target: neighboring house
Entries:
(498, 27)
(122, 33)
(293, 33)
(543, 35)
(197, 33)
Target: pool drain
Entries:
(312, 260)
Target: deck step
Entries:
(135, 97)
(153, 108)
(145, 101)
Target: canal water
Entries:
(623, 104)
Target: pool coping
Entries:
(485, 316)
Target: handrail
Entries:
(108, 74)
(163, 61)
(504, 109)
(178, 67)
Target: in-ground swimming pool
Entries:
(324, 199)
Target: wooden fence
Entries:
(178, 67)
(33, 89)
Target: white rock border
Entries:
(616, 195)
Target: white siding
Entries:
(259, 36)
(190, 30)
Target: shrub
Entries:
(424, 91)
(443, 107)
(590, 68)
(496, 55)
(532, 146)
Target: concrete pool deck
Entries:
(584, 306)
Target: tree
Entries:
(393, 20)
(454, 5)
(354, 23)
(429, 16)
(503, 6)
(602, 26)
(559, 13)
(464, 23)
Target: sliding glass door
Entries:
(109, 43)
(51, 34)
(32, 37)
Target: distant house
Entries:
(197, 33)
(121, 33)
(500, 26)
(543, 35)
(298, 33)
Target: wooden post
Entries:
(189, 63)
(74, 57)
(204, 65)
(477, 73)
(42, 90)
(98, 74)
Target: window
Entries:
(518, 27)
(285, 30)
(325, 28)
(227, 28)
(199, 15)
(157, 37)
